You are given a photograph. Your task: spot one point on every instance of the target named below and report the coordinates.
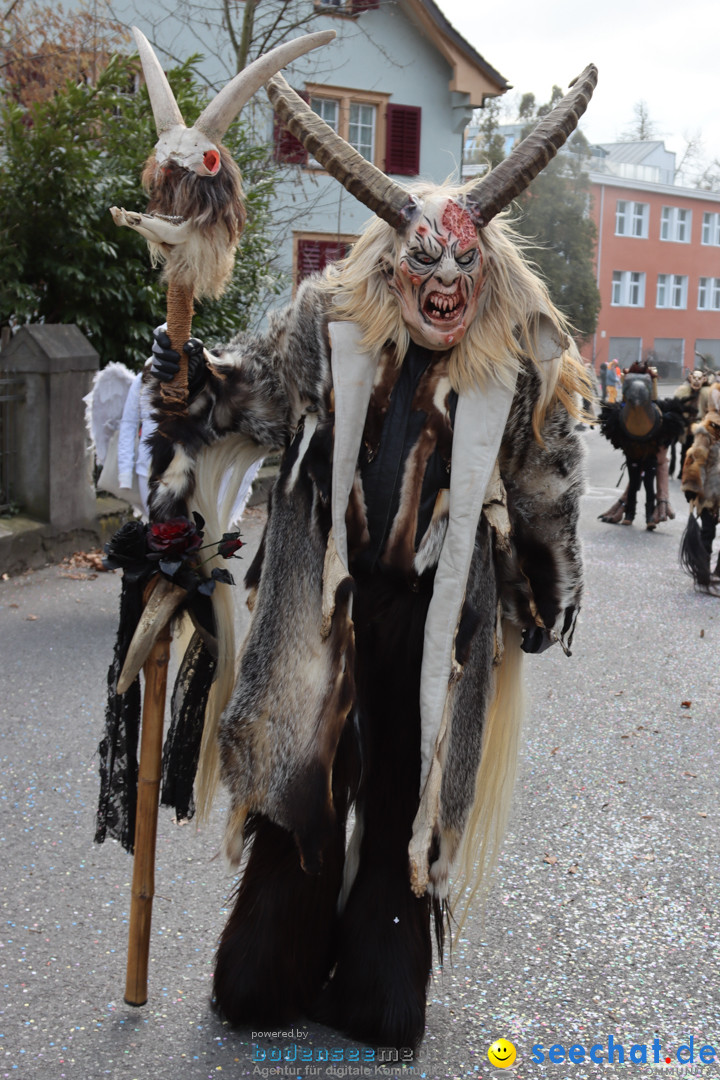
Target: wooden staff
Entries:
(155, 670)
(143, 881)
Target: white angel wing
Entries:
(104, 405)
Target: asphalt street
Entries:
(602, 923)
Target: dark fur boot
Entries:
(384, 957)
(275, 951)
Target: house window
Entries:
(711, 229)
(672, 291)
(361, 129)
(327, 109)
(631, 218)
(358, 116)
(314, 251)
(709, 294)
(628, 289)
(675, 224)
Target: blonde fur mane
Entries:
(505, 329)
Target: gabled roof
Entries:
(471, 72)
(632, 152)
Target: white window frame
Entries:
(709, 294)
(710, 236)
(672, 291)
(628, 289)
(632, 219)
(676, 224)
(345, 99)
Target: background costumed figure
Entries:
(643, 428)
(421, 534)
(701, 485)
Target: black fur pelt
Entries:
(695, 554)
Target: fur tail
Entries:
(220, 470)
(496, 775)
(694, 556)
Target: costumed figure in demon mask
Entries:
(701, 485)
(643, 428)
(694, 396)
(422, 534)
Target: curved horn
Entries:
(162, 604)
(164, 106)
(388, 200)
(493, 193)
(222, 110)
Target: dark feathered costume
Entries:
(643, 429)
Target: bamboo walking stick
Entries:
(143, 880)
(155, 670)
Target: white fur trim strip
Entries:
(479, 424)
(353, 376)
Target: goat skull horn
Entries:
(162, 604)
(222, 110)
(494, 192)
(164, 106)
(369, 185)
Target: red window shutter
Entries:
(358, 6)
(288, 149)
(402, 153)
(315, 255)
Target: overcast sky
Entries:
(664, 52)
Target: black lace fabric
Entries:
(182, 745)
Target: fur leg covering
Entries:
(614, 515)
(384, 950)
(275, 951)
(663, 510)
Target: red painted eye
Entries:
(211, 161)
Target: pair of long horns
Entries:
(222, 110)
(392, 202)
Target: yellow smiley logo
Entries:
(502, 1054)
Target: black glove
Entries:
(690, 495)
(166, 361)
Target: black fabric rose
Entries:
(127, 551)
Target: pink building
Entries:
(658, 262)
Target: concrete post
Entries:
(54, 465)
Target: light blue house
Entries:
(399, 83)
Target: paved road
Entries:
(603, 921)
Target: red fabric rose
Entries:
(229, 545)
(178, 537)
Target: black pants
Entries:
(641, 472)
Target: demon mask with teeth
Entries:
(438, 274)
(438, 270)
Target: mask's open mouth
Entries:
(444, 307)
